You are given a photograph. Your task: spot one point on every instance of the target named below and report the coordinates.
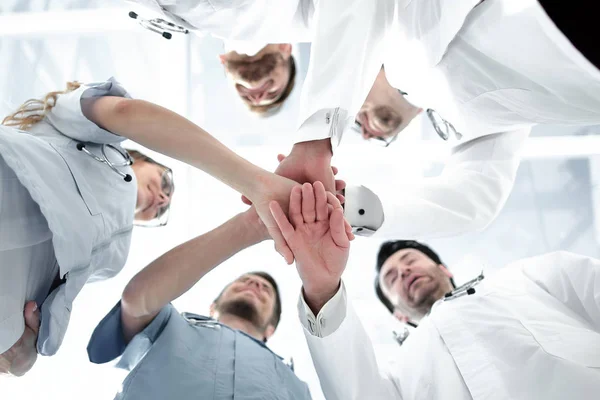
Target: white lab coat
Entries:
(266, 21)
(88, 207)
(493, 71)
(531, 331)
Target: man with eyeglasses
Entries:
(487, 71)
(188, 356)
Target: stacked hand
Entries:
(319, 238)
(308, 162)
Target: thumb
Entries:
(280, 157)
(32, 316)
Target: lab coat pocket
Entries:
(77, 166)
(568, 340)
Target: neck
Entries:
(235, 322)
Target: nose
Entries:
(163, 199)
(257, 97)
(404, 272)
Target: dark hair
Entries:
(387, 249)
(276, 317)
(270, 109)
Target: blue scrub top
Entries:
(187, 356)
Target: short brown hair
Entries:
(270, 109)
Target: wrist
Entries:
(317, 297)
(252, 227)
(321, 148)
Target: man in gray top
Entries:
(188, 356)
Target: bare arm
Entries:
(173, 135)
(177, 271)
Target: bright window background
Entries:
(45, 43)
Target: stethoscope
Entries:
(463, 290)
(104, 159)
(159, 25)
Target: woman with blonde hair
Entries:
(69, 194)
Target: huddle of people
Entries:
(70, 196)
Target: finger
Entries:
(246, 200)
(335, 170)
(338, 230)
(281, 246)
(31, 313)
(295, 211)
(320, 201)
(308, 203)
(334, 201)
(340, 185)
(341, 198)
(349, 230)
(280, 157)
(284, 225)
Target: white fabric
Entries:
(88, 207)
(252, 20)
(467, 195)
(248, 48)
(507, 69)
(532, 331)
(318, 325)
(27, 262)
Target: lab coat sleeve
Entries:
(467, 196)
(346, 56)
(107, 342)
(344, 359)
(572, 279)
(67, 117)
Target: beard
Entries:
(243, 309)
(254, 71)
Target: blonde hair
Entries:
(34, 110)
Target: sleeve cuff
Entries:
(363, 210)
(327, 123)
(107, 342)
(329, 318)
(67, 116)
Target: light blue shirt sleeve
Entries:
(107, 342)
(67, 117)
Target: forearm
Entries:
(174, 273)
(173, 135)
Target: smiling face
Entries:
(413, 282)
(154, 192)
(385, 112)
(261, 79)
(252, 298)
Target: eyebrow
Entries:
(408, 253)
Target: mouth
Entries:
(253, 291)
(254, 90)
(411, 281)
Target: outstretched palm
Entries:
(317, 234)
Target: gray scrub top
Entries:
(88, 206)
(187, 356)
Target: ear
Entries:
(399, 316)
(285, 49)
(446, 271)
(213, 310)
(222, 58)
(269, 332)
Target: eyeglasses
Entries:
(167, 186)
(443, 128)
(378, 140)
